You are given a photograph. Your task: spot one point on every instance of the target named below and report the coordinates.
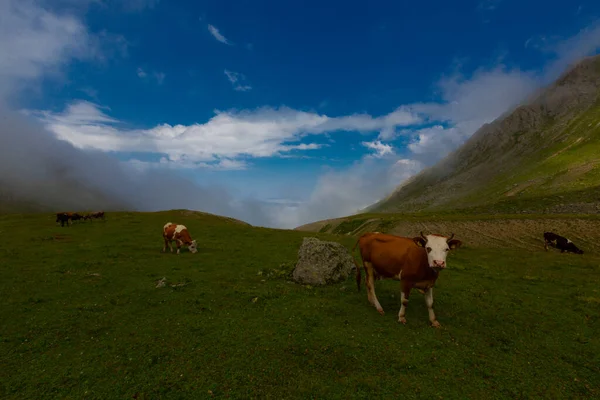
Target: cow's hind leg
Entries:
(429, 303)
(370, 283)
(404, 295)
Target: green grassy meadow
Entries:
(82, 319)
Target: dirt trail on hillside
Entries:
(520, 233)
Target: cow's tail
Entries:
(358, 277)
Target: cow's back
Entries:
(181, 232)
(392, 254)
(551, 236)
(185, 236)
(169, 230)
(366, 240)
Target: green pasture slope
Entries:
(82, 319)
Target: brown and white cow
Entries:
(415, 262)
(180, 235)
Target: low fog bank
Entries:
(37, 168)
(40, 171)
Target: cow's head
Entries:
(574, 248)
(437, 248)
(193, 247)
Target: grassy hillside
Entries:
(82, 318)
(524, 231)
(542, 157)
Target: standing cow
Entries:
(64, 217)
(415, 262)
(559, 242)
(180, 235)
(97, 215)
(76, 217)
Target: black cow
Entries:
(561, 243)
(62, 218)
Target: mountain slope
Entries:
(543, 156)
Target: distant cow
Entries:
(76, 217)
(561, 243)
(63, 217)
(415, 262)
(180, 235)
(97, 214)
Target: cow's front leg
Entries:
(404, 295)
(429, 302)
(370, 282)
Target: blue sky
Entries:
(325, 106)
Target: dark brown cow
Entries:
(415, 262)
(76, 217)
(180, 235)
(64, 217)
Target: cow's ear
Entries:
(454, 244)
(419, 241)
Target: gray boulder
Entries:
(322, 263)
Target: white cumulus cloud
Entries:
(34, 41)
(381, 149)
(264, 132)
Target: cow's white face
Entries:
(193, 247)
(437, 248)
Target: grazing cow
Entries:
(180, 235)
(76, 217)
(415, 262)
(560, 242)
(97, 214)
(63, 217)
